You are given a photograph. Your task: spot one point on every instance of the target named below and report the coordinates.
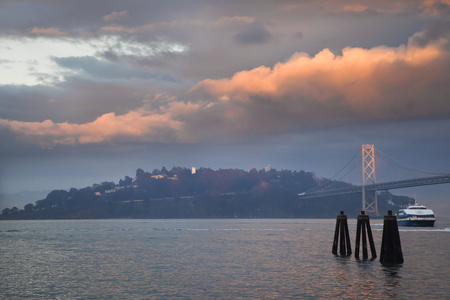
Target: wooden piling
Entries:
(362, 225)
(391, 249)
(341, 232)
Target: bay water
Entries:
(213, 259)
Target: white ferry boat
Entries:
(416, 215)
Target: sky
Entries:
(92, 90)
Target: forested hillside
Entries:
(205, 193)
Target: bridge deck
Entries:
(379, 187)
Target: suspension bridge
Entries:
(370, 186)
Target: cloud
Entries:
(361, 11)
(136, 126)
(115, 15)
(436, 7)
(43, 64)
(179, 24)
(254, 34)
(96, 68)
(437, 31)
(224, 21)
(47, 31)
(355, 7)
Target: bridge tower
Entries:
(369, 198)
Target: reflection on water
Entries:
(205, 259)
(392, 280)
(342, 268)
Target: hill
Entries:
(205, 193)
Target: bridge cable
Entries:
(357, 163)
(404, 166)
(330, 181)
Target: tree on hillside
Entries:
(53, 199)
(28, 208)
(126, 181)
(5, 211)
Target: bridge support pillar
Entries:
(362, 225)
(369, 198)
(341, 232)
(391, 249)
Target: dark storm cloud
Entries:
(254, 34)
(436, 7)
(436, 31)
(75, 100)
(86, 100)
(95, 68)
(32, 103)
(78, 100)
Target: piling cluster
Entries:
(342, 232)
(391, 250)
(363, 224)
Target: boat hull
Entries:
(416, 223)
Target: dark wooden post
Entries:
(341, 230)
(391, 249)
(363, 224)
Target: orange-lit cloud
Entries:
(133, 126)
(361, 84)
(435, 7)
(115, 15)
(355, 7)
(379, 6)
(47, 31)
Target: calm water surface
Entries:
(206, 259)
